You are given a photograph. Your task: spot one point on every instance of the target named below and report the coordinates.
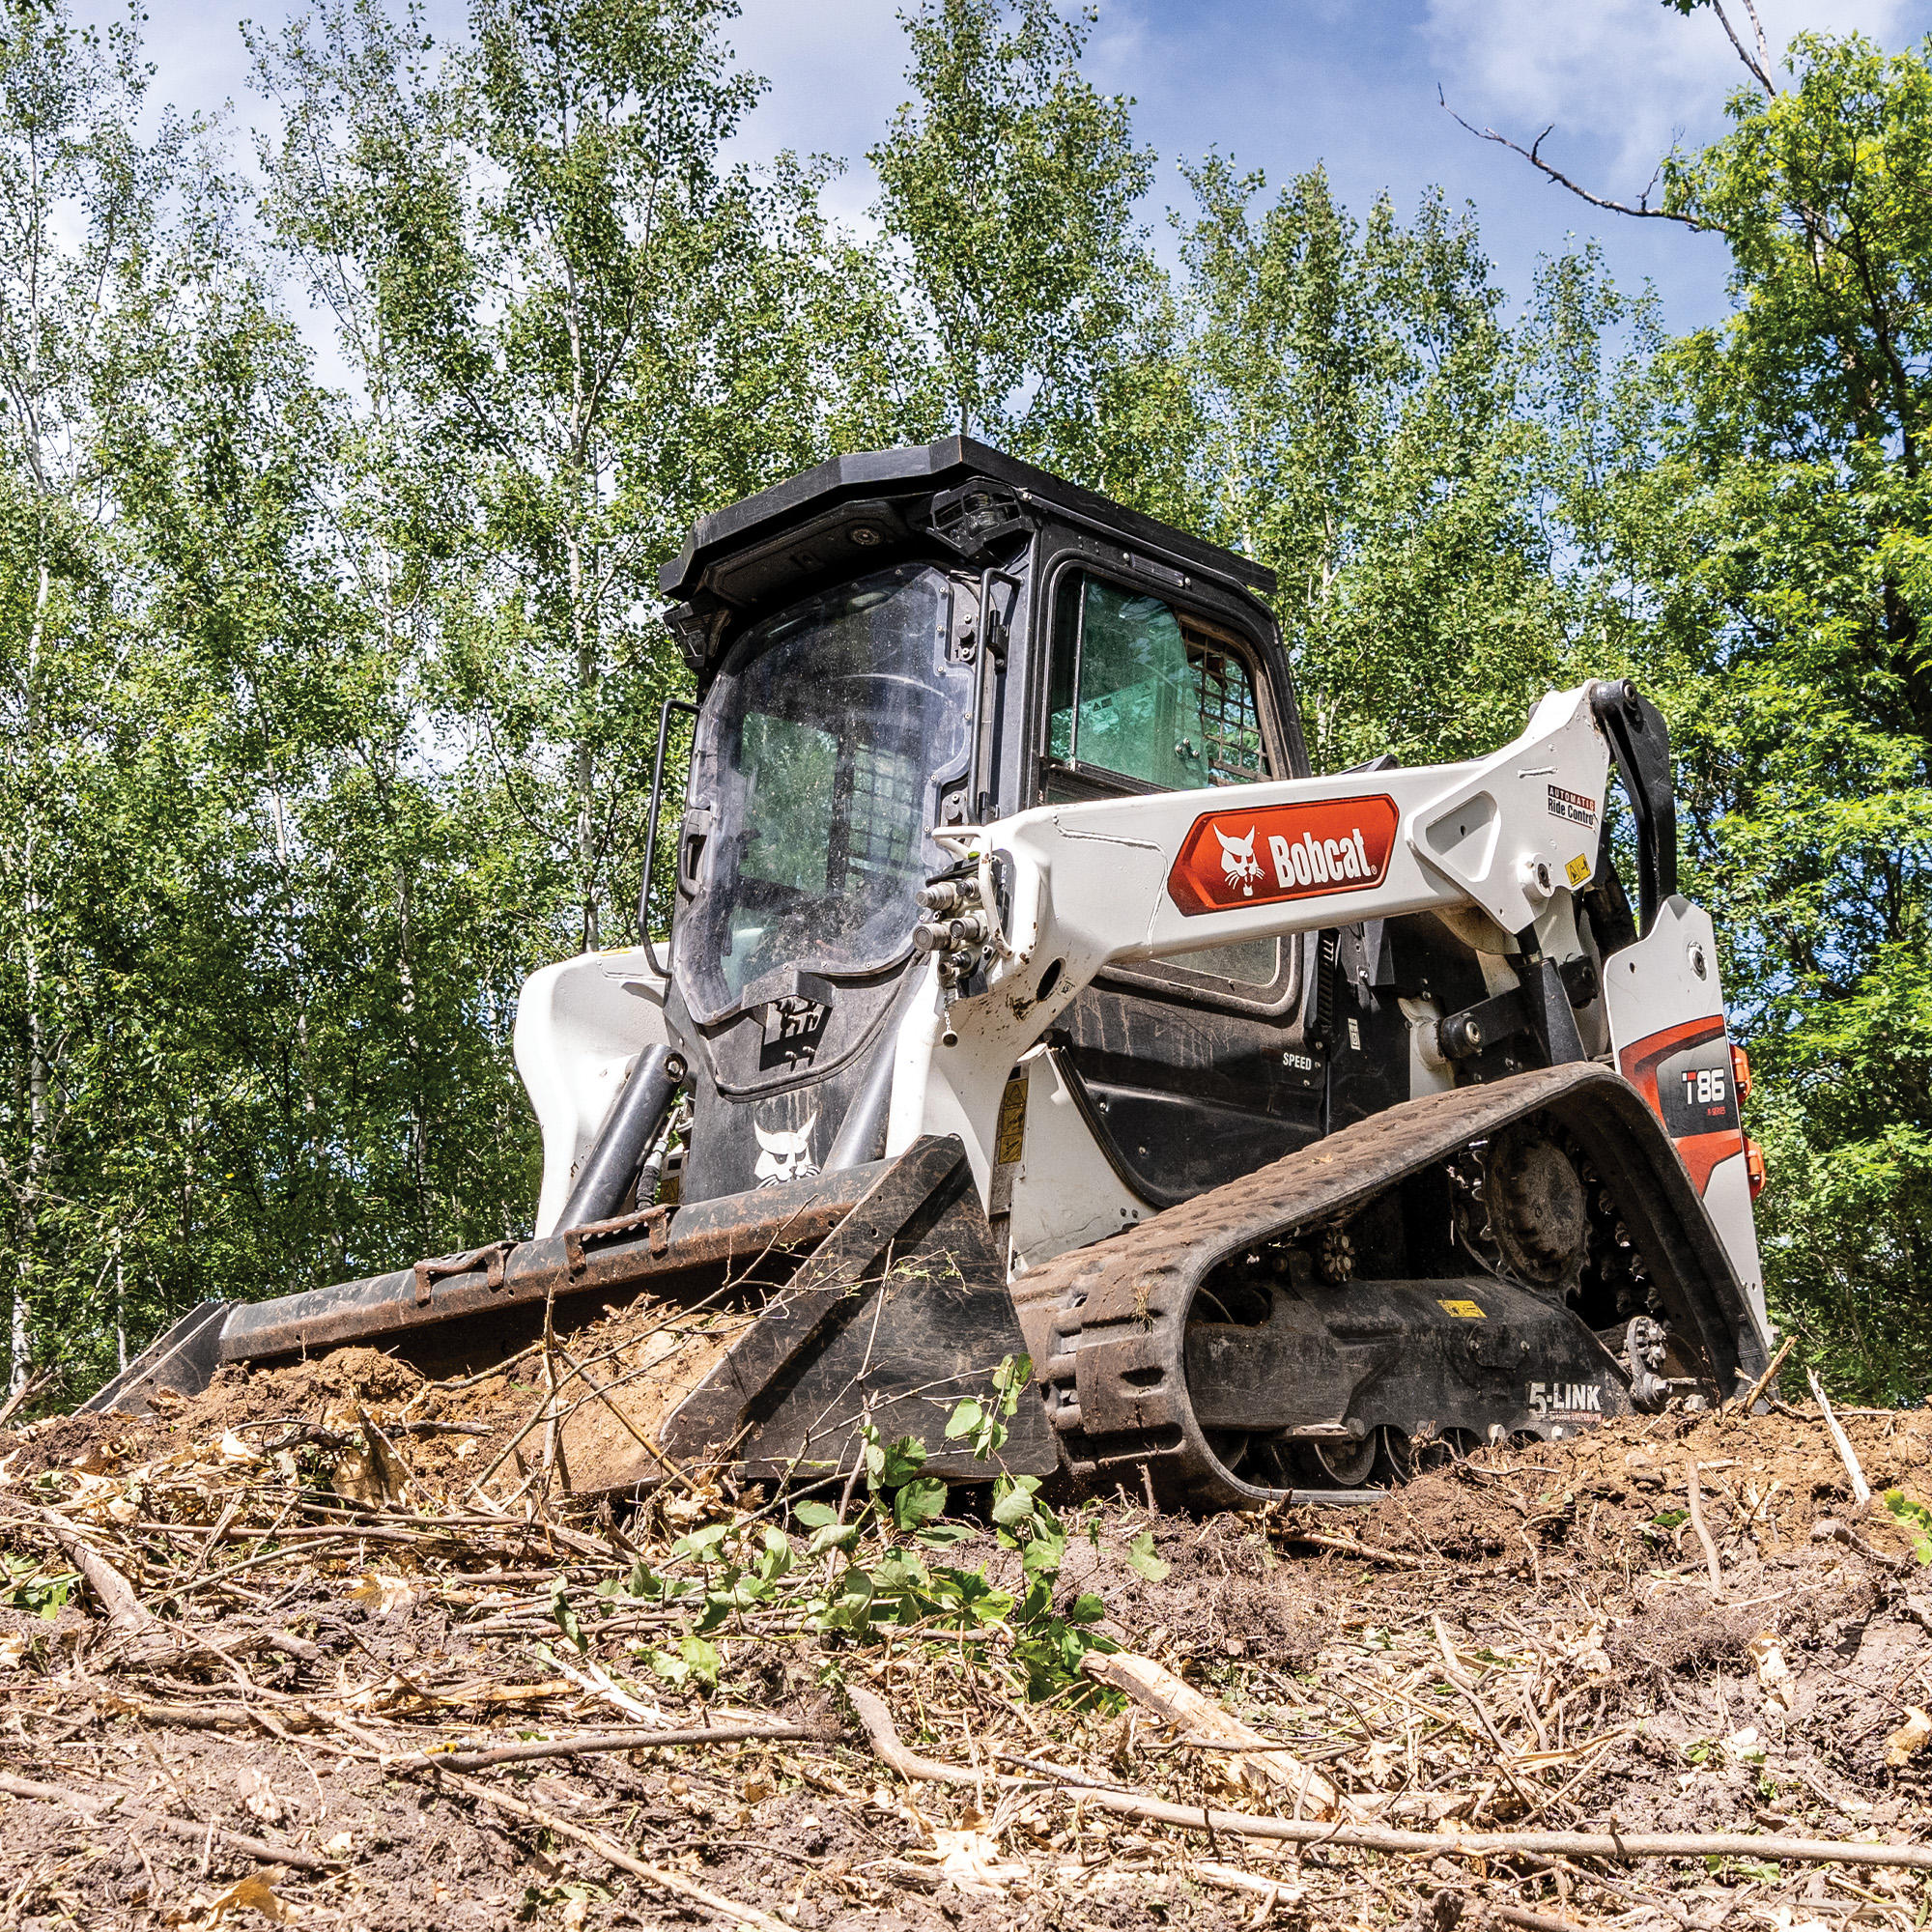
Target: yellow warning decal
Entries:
(1467, 1310)
(1578, 869)
(1009, 1135)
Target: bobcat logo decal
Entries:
(1238, 862)
(786, 1154)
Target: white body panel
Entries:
(1064, 1191)
(580, 1026)
(1663, 988)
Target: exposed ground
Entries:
(229, 1636)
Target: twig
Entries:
(607, 1741)
(126, 1611)
(1184, 1707)
(23, 1394)
(615, 1855)
(1534, 1921)
(1624, 1846)
(194, 1831)
(1466, 1688)
(1847, 1455)
(1534, 157)
(1348, 1546)
(1770, 1375)
(1825, 1529)
(1694, 1485)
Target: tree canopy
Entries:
(330, 686)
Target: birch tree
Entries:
(79, 218)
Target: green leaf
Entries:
(1013, 1500)
(1143, 1559)
(969, 1595)
(1045, 1550)
(966, 1417)
(702, 1545)
(1010, 1379)
(943, 1535)
(1917, 1518)
(834, 1536)
(919, 1502)
(566, 1616)
(851, 1608)
(901, 1461)
(815, 1516)
(701, 1660)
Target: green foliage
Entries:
(1007, 198)
(1917, 1518)
(25, 1587)
(1786, 588)
(867, 1565)
(325, 717)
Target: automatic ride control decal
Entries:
(1234, 858)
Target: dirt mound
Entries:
(343, 1603)
(1589, 1509)
(586, 1410)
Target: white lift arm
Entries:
(1510, 837)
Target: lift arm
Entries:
(1053, 896)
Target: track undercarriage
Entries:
(1495, 1262)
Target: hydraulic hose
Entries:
(625, 1138)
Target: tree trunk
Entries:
(39, 1124)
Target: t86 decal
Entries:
(1283, 852)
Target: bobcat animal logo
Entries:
(1238, 862)
(786, 1154)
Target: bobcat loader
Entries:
(1027, 1000)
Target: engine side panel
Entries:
(1666, 1011)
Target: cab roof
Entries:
(924, 469)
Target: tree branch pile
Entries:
(1539, 1687)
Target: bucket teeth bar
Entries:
(466, 1309)
(1107, 1324)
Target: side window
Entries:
(1140, 690)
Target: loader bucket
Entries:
(874, 1294)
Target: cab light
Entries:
(1741, 1073)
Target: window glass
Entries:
(819, 754)
(1139, 690)
(1251, 962)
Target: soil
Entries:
(1534, 1633)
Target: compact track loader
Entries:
(1026, 999)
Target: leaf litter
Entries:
(328, 1646)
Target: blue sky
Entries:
(1279, 85)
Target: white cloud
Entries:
(1632, 73)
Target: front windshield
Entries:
(819, 754)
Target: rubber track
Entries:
(1106, 1323)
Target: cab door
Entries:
(1195, 1070)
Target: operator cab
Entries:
(940, 637)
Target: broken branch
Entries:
(1862, 1490)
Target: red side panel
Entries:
(1686, 1074)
